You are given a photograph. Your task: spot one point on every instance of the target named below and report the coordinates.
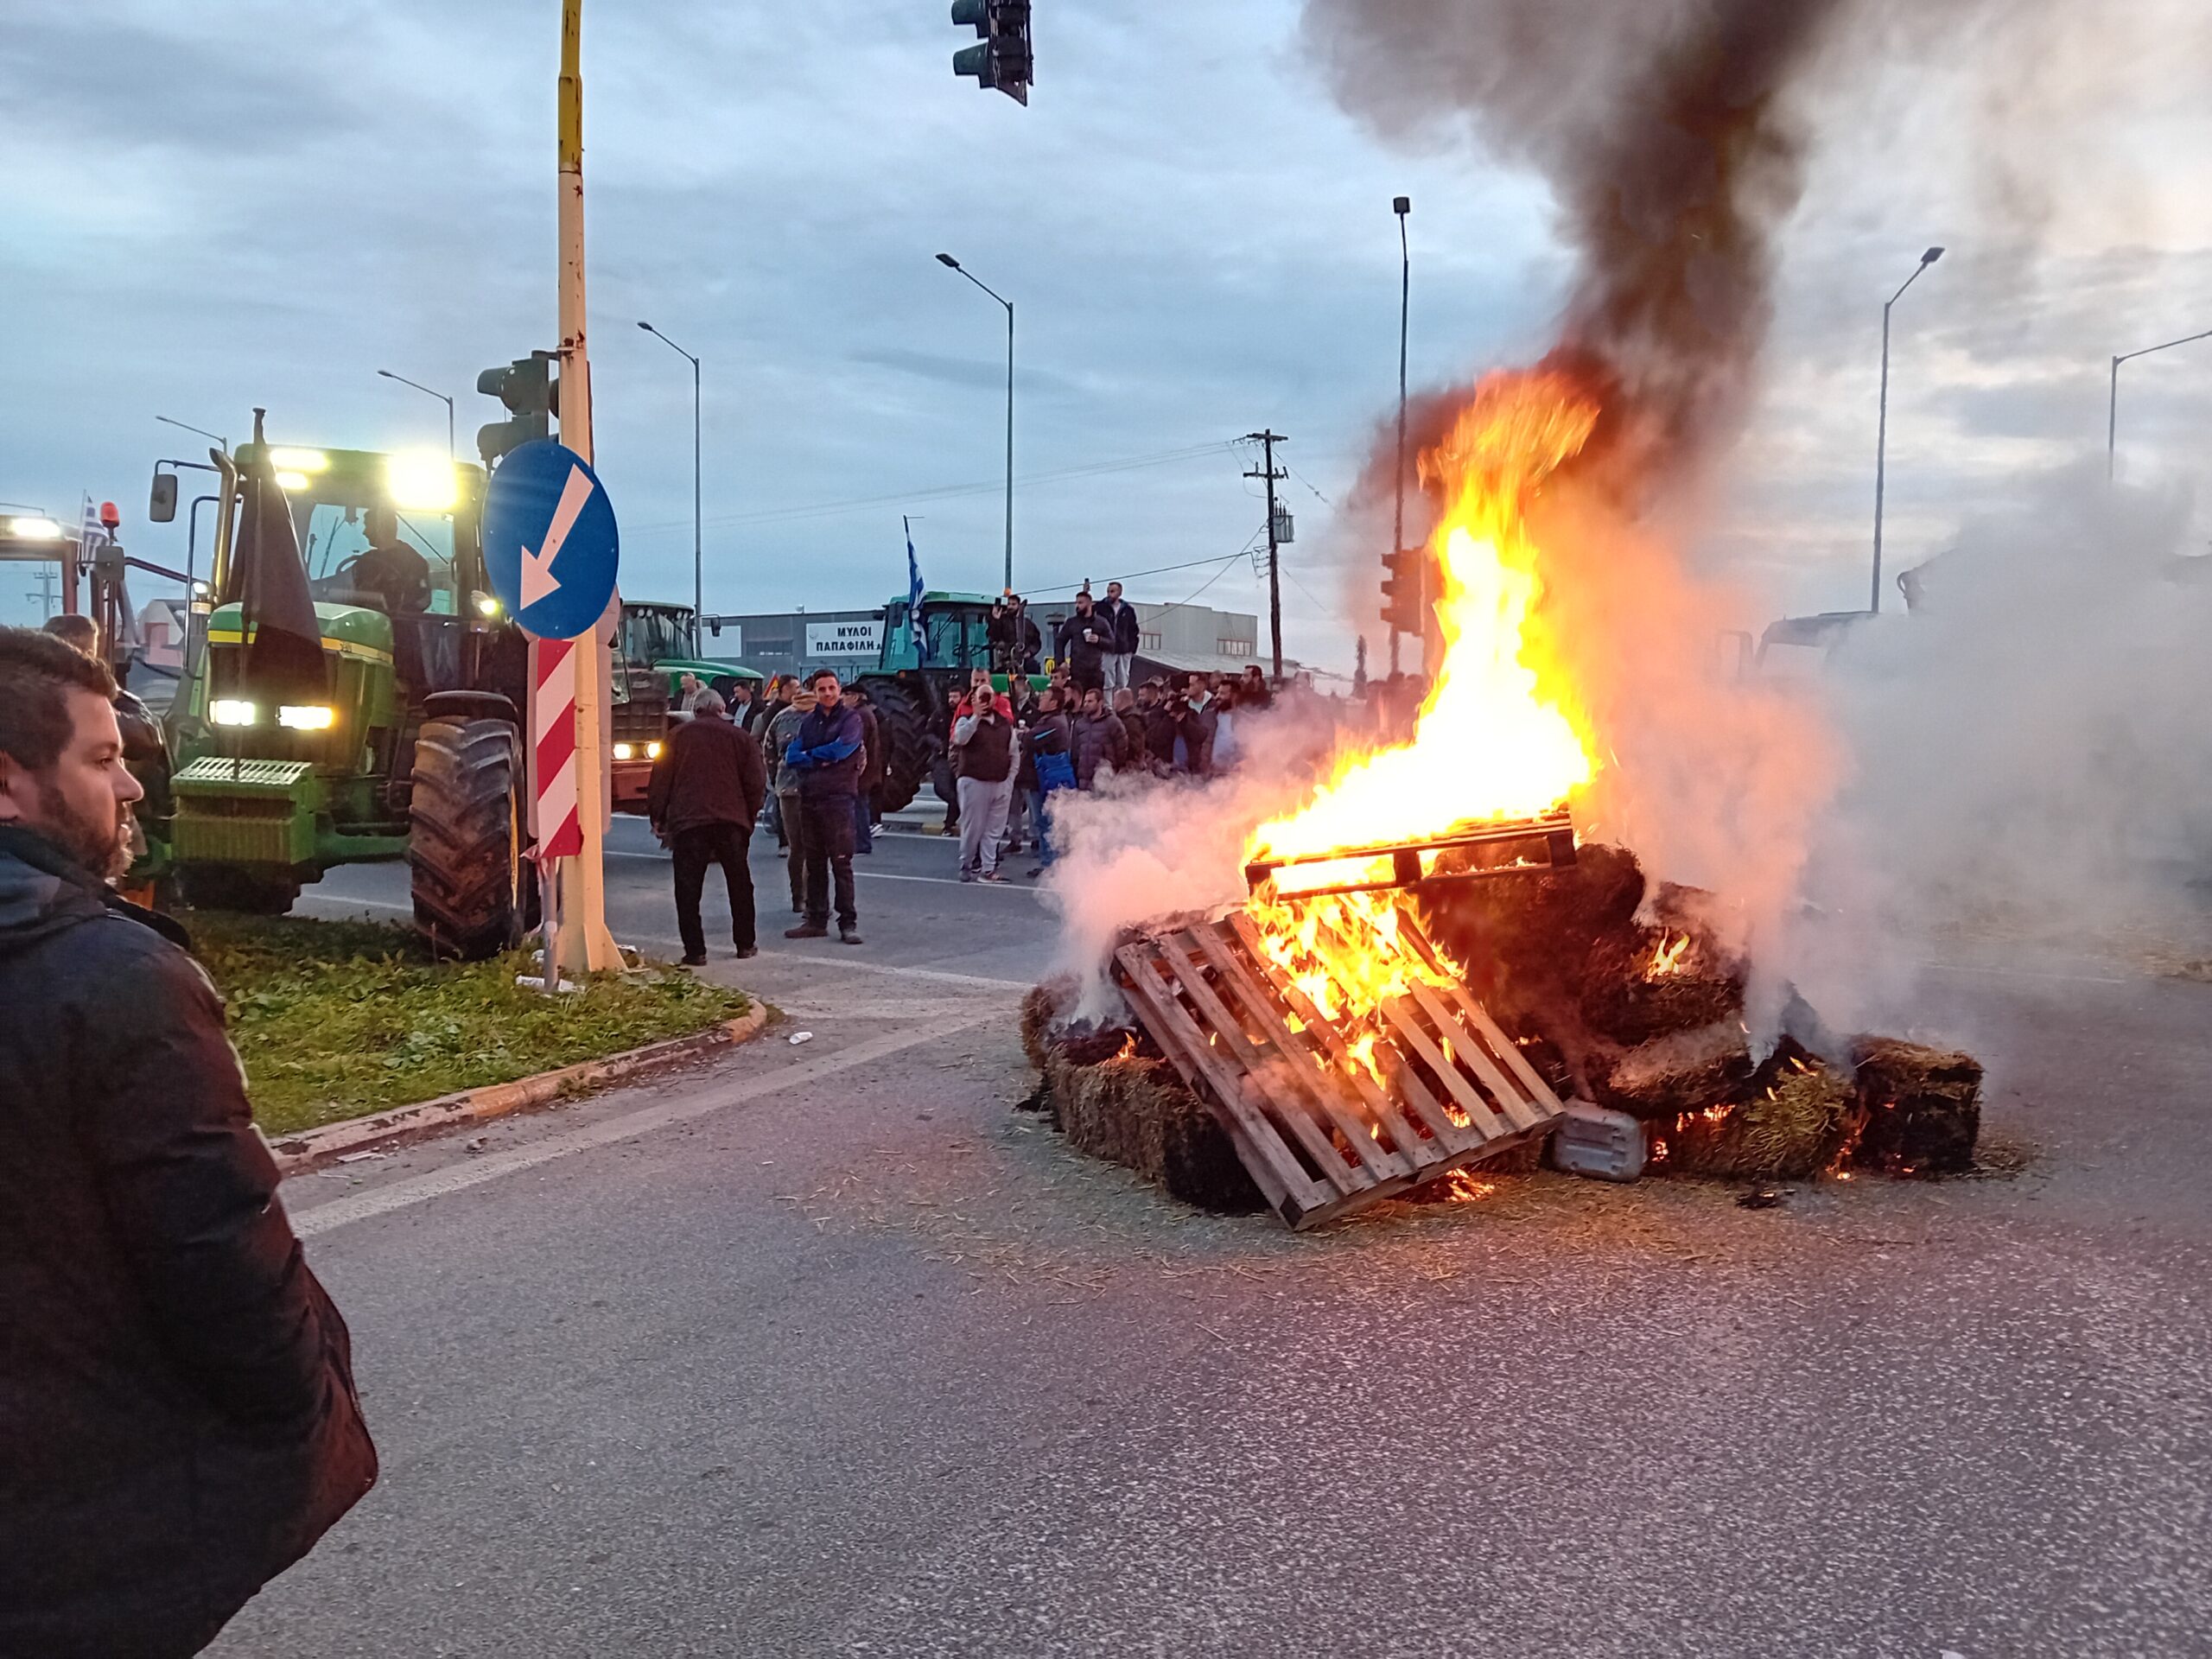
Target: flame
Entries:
(1667, 959)
(1500, 735)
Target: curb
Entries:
(303, 1150)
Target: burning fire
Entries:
(1667, 959)
(1499, 736)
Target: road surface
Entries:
(828, 1350)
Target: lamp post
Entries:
(1400, 206)
(951, 264)
(698, 561)
(201, 430)
(2112, 412)
(1881, 431)
(440, 396)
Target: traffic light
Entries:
(532, 396)
(1003, 60)
(1405, 608)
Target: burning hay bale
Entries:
(1922, 1107)
(1641, 982)
(1797, 1126)
(1682, 1072)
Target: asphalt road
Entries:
(826, 1349)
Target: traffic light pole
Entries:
(579, 937)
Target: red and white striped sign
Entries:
(553, 734)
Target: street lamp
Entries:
(440, 396)
(201, 430)
(1882, 434)
(698, 562)
(1400, 206)
(951, 264)
(2112, 413)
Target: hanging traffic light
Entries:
(1405, 609)
(1003, 61)
(532, 396)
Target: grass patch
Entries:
(335, 1019)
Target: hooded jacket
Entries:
(178, 1422)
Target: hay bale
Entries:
(1633, 990)
(1133, 1111)
(1793, 1129)
(1038, 1009)
(1922, 1107)
(1683, 1071)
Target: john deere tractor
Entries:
(359, 696)
(914, 692)
(654, 652)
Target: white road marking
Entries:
(843, 964)
(866, 875)
(459, 1178)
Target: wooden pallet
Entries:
(1319, 1136)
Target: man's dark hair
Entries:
(37, 674)
(75, 629)
(820, 675)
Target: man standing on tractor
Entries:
(1120, 619)
(828, 755)
(178, 1422)
(1082, 644)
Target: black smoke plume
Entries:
(1669, 134)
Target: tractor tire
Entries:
(228, 886)
(465, 842)
(911, 742)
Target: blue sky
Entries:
(249, 202)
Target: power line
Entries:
(945, 492)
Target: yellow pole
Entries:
(582, 942)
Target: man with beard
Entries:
(178, 1423)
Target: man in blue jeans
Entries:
(1047, 766)
(828, 753)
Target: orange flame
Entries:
(1667, 960)
(1499, 735)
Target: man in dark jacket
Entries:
(1046, 768)
(1126, 711)
(178, 1423)
(1082, 643)
(706, 791)
(826, 753)
(1120, 619)
(1100, 740)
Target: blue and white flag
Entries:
(918, 614)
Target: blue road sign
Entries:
(549, 544)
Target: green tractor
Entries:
(914, 696)
(654, 647)
(360, 696)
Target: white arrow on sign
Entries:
(538, 581)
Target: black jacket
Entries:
(710, 772)
(177, 1416)
(1121, 617)
(1081, 642)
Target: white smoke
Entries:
(2031, 752)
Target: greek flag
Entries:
(918, 614)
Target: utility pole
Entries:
(1267, 440)
(579, 942)
(1400, 206)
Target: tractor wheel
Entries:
(228, 886)
(464, 847)
(911, 742)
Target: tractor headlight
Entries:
(233, 711)
(299, 460)
(486, 605)
(652, 751)
(308, 717)
(423, 482)
(624, 751)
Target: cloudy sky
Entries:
(246, 201)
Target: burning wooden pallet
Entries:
(1319, 1134)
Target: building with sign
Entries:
(1186, 638)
